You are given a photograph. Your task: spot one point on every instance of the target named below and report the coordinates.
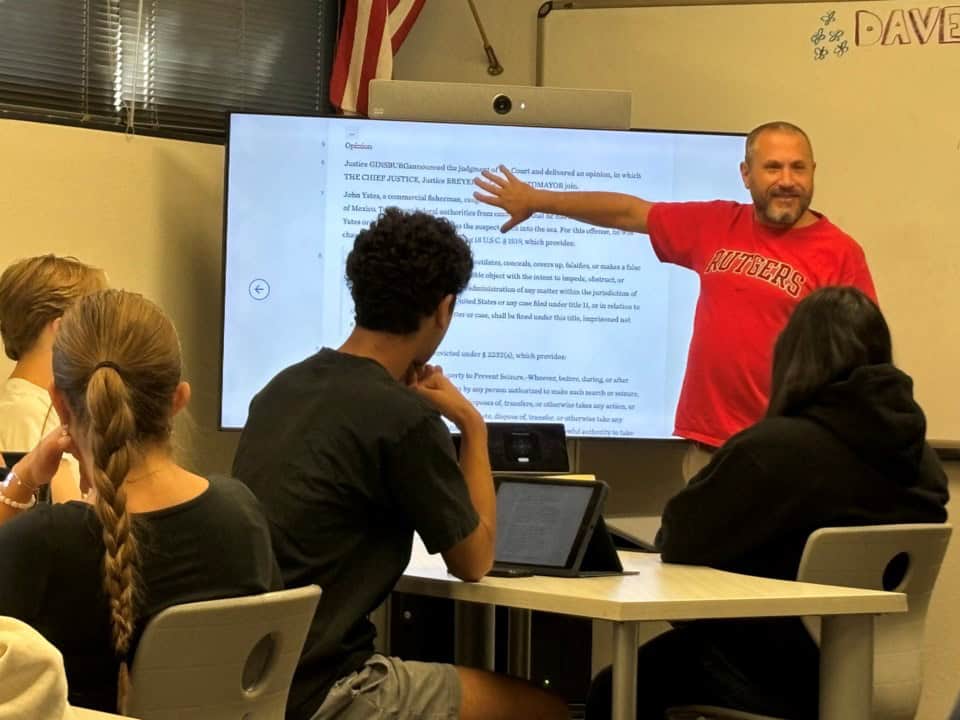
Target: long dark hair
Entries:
(831, 333)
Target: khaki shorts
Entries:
(695, 459)
(394, 689)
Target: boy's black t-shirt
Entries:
(348, 463)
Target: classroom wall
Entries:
(149, 211)
(444, 46)
(861, 132)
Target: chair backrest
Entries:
(902, 558)
(221, 659)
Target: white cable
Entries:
(132, 110)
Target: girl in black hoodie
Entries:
(843, 443)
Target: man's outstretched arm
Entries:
(520, 200)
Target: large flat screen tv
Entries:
(562, 322)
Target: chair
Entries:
(955, 715)
(221, 659)
(903, 558)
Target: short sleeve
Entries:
(428, 485)
(25, 562)
(681, 232)
(857, 274)
(20, 432)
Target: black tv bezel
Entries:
(226, 195)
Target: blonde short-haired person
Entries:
(34, 294)
(88, 575)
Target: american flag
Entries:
(370, 33)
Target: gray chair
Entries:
(227, 659)
(903, 558)
(955, 715)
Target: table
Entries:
(78, 713)
(661, 591)
(640, 529)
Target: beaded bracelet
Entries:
(12, 476)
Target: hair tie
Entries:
(107, 363)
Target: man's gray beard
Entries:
(785, 218)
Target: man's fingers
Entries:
(493, 177)
(424, 373)
(410, 376)
(431, 372)
(507, 174)
(509, 225)
(488, 199)
(488, 186)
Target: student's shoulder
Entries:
(406, 399)
(21, 421)
(228, 490)
(59, 524)
(369, 387)
(772, 429)
(331, 373)
(229, 503)
(405, 418)
(777, 441)
(293, 375)
(835, 238)
(19, 432)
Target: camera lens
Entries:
(502, 104)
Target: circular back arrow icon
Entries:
(259, 289)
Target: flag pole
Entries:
(494, 67)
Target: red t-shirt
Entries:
(751, 278)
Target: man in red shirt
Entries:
(755, 264)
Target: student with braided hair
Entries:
(88, 575)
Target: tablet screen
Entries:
(538, 523)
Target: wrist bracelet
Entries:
(12, 477)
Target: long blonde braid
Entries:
(117, 360)
(112, 445)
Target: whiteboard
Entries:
(877, 87)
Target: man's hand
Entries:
(430, 383)
(507, 193)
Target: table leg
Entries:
(624, 671)
(518, 637)
(846, 667)
(474, 626)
